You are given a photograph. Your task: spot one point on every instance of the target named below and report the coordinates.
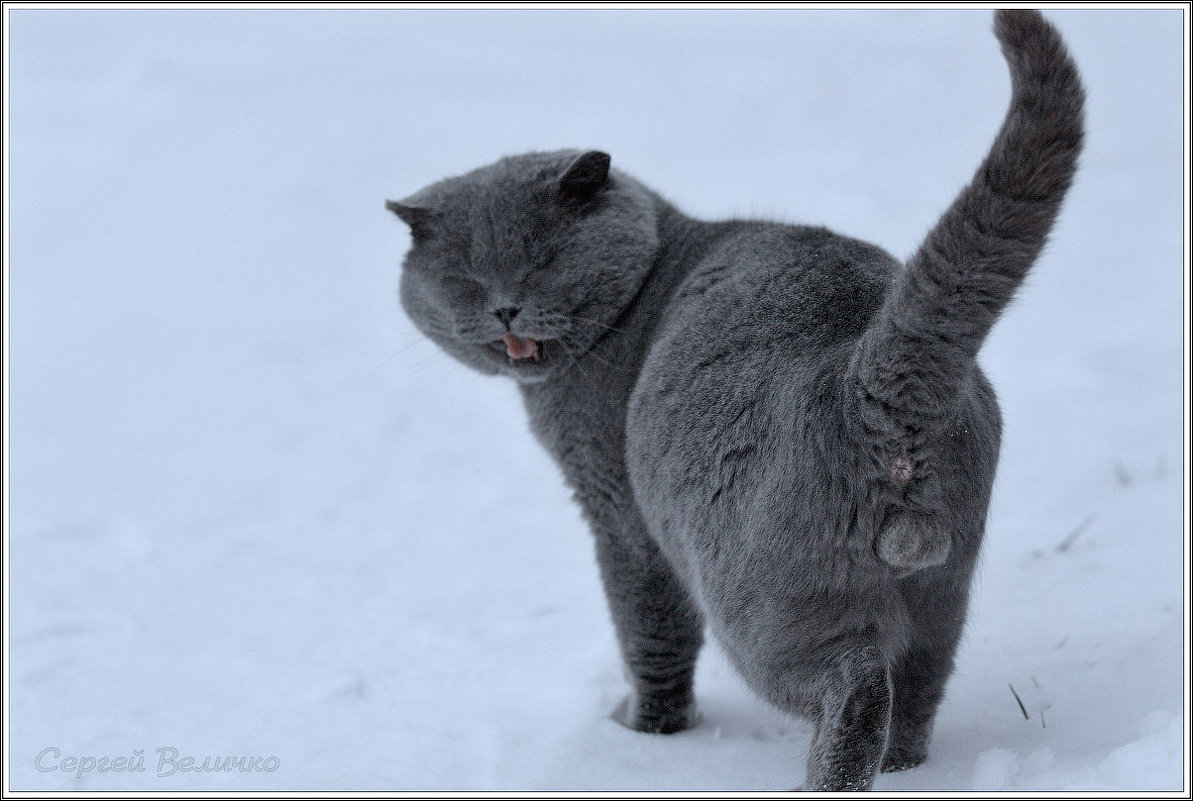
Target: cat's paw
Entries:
(897, 759)
(655, 717)
(912, 542)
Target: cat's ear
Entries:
(411, 215)
(587, 175)
(417, 217)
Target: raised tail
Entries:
(917, 353)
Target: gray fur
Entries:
(776, 433)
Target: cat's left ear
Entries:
(584, 178)
(411, 215)
(417, 217)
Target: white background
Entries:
(254, 513)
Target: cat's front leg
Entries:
(658, 629)
(655, 715)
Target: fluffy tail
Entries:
(921, 346)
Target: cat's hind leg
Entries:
(919, 684)
(936, 601)
(853, 723)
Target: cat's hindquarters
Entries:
(913, 380)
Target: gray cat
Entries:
(775, 432)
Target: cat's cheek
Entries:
(418, 300)
(412, 296)
(469, 356)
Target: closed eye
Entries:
(462, 285)
(548, 260)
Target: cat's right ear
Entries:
(417, 217)
(584, 178)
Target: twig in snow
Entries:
(1068, 541)
(1019, 701)
(1122, 474)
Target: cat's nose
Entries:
(506, 314)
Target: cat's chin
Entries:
(531, 369)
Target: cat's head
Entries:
(519, 267)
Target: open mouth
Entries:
(519, 350)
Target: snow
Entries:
(254, 514)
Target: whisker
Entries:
(400, 351)
(592, 354)
(605, 326)
(575, 361)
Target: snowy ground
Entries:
(254, 514)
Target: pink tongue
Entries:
(518, 348)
